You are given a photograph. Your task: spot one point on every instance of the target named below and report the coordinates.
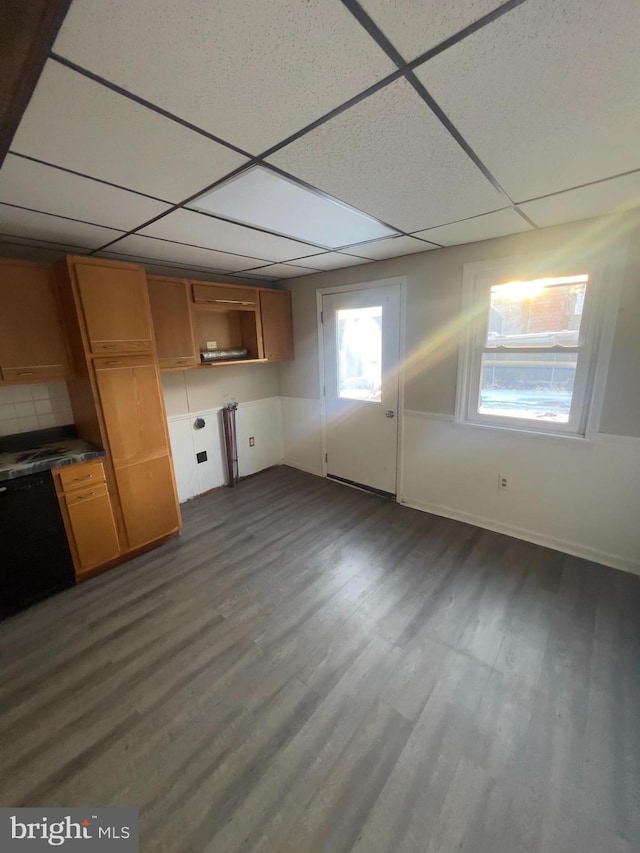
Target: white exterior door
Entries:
(361, 346)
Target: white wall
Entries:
(578, 496)
(201, 394)
(25, 408)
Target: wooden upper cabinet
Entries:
(225, 296)
(132, 408)
(171, 315)
(277, 327)
(115, 306)
(32, 342)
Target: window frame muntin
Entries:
(595, 340)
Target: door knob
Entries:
(389, 414)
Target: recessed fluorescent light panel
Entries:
(264, 198)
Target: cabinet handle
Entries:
(26, 373)
(80, 479)
(115, 361)
(88, 495)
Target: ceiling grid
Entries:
(140, 141)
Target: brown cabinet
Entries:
(88, 514)
(226, 317)
(147, 496)
(117, 397)
(171, 315)
(277, 328)
(32, 343)
(115, 307)
(132, 408)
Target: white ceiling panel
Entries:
(389, 156)
(163, 250)
(252, 73)
(497, 224)
(33, 185)
(330, 261)
(186, 226)
(73, 122)
(262, 197)
(277, 271)
(420, 25)
(391, 248)
(612, 196)
(548, 94)
(42, 226)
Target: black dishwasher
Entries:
(35, 559)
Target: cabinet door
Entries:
(93, 527)
(148, 500)
(115, 306)
(32, 344)
(277, 328)
(132, 408)
(170, 312)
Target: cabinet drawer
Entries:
(88, 493)
(83, 475)
(35, 373)
(186, 361)
(230, 297)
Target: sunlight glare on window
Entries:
(544, 315)
(359, 343)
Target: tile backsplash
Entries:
(24, 408)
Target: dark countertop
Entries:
(68, 451)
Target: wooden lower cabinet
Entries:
(148, 500)
(88, 513)
(93, 528)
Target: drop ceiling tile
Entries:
(390, 157)
(73, 122)
(392, 248)
(185, 226)
(164, 250)
(423, 24)
(611, 196)
(252, 73)
(548, 94)
(277, 271)
(178, 269)
(496, 224)
(42, 226)
(43, 188)
(330, 261)
(43, 252)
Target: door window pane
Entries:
(359, 342)
(536, 313)
(536, 386)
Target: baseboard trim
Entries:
(615, 561)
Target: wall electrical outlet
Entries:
(212, 344)
(252, 441)
(503, 483)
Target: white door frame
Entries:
(345, 288)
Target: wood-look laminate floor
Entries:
(310, 668)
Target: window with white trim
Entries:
(529, 357)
